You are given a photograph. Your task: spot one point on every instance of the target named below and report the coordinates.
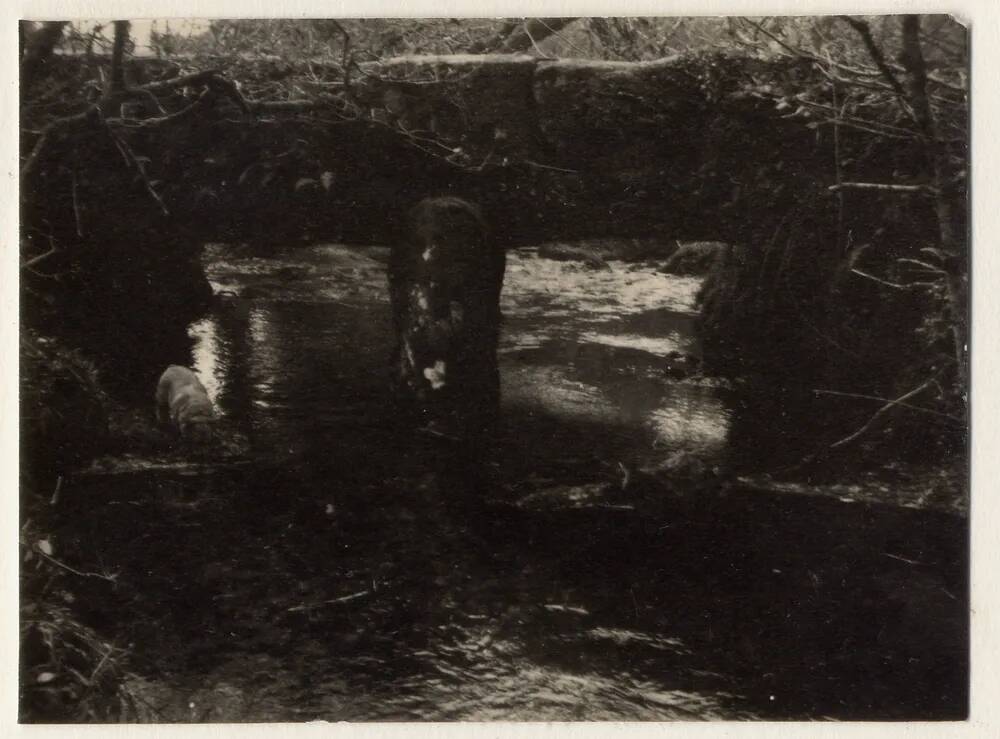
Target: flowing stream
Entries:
(314, 573)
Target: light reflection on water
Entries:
(298, 359)
(655, 345)
(577, 342)
(207, 355)
(327, 575)
(694, 419)
(540, 287)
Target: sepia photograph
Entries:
(486, 369)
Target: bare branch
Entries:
(565, 40)
(936, 79)
(530, 32)
(842, 119)
(880, 414)
(824, 64)
(54, 130)
(331, 601)
(539, 165)
(489, 45)
(185, 80)
(865, 32)
(346, 61)
(541, 54)
(49, 558)
(882, 186)
(206, 98)
(76, 207)
(879, 280)
(131, 160)
(45, 255)
(923, 265)
(895, 285)
(898, 402)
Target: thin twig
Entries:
(836, 163)
(848, 123)
(868, 122)
(185, 80)
(541, 54)
(802, 54)
(203, 101)
(142, 172)
(881, 413)
(826, 338)
(93, 675)
(924, 265)
(879, 280)
(907, 560)
(331, 602)
(539, 165)
(792, 50)
(55, 495)
(569, 43)
(938, 81)
(864, 30)
(91, 115)
(36, 259)
(57, 563)
(76, 207)
(862, 396)
(278, 106)
(881, 186)
(821, 62)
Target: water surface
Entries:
(320, 571)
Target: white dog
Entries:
(181, 399)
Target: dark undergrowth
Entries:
(68, 671)
(842, 360)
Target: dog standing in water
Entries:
(182, 400)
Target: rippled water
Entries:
(319, 573)
(577, 342)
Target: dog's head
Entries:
(199, 431)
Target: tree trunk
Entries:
(913, 62)
(116, 82)
(38, 48)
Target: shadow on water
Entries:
(330, 575)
